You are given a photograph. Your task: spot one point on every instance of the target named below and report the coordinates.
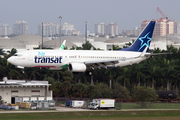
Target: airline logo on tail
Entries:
(143, 40)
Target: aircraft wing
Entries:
(104, 63)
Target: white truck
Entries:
(102, 103)
(77, 103)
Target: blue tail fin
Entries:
(143, 40)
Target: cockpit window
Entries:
(19, 55)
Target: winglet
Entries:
(63, 45)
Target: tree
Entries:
(66, 87)
(116, 47)
(87, 46)
(79, 77)
(100, 90)
(154, 71)
(111, 74)
(34, 74)
(124, 77)
(2, 52)
(57, 89)
(168, 72)
(138, 72)
(79, 90)
(121, 92)
(144, 94)
(57, 74)
(67, 75)
(49, 79)
(12, 52)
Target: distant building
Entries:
(135, 32)
(106, 29)
(112, 29)
(177, 27)
(6, 30)
(162, 27)
(69, 30)
(99, 29)
(1, 31)
(49, 29)
(20, 28)
(74, 33)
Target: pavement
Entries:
(66, 109)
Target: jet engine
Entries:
(77, 67)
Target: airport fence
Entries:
(147, 105)
(61, 101)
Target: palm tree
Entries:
(14, 73)
(35, 74)
(154, 71)
(138, 72)
(168, 72)
(79, 77)
(124, 76)
(57, 75)
(2, 52)
(111, 74)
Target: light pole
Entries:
(166, 33)
(86, 31)
(42, 36)
(91, 74)
(60, 17)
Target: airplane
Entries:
(80, 60)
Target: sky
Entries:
(126, 13)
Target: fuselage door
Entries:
(30, 57)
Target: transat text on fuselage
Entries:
(41, 58)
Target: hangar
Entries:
(13, 91)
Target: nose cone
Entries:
(11, 60)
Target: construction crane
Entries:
(164, 16)
(158, 9)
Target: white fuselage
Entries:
(59, 58)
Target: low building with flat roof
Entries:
(13, 91)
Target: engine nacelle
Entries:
(77, 67)
(53, 68)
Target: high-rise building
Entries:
(177, 27)
(6, 30)
(1, 31)
(162, 26)
(112, 29)
(99, 29)
(134, 32)
(20, 28)
(106, 29)
(49, 29)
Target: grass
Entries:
(90, 115)
(148, 106)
